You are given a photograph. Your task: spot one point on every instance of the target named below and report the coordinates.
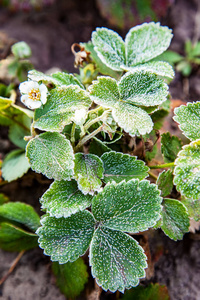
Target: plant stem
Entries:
(73, 134)
(100, 118)
(162, 166)
(88, 137)
(95, 110)
(153, 175)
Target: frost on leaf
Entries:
(51, 154)
(187, 170)
(88, 171)
(131, 206)
(61, 107)
(117, 261)
(189, 119)
(175, 219)
(63, 199)
(165, 182)
(170, 147)
(65, 239)
(119, 166)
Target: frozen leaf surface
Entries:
(187, 171)
(165, 182)
(88, 171)
(175, 219)
(117, 260)
(170, 147)
(189, 119)
(131, 206)
(60, 108)
(193, 207)
(119, 166)
(63, 199)
(65, 239)
(51, 154)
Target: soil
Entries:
(50, 34)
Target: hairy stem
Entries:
(88, 137)
(162, 166)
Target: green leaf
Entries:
(71, 277)
(119, 166)
(132, 119)
(131, 206)
(146, 41)
(16, 135)
(65, 239)
(189, 119)
(15, 239)
(15, 165)
(21, 213)
(175, 219)
(3, 198)
(109, 47)
(98, 147)
(170, 147)
(66, 79)
(63, 199)
(4, 103)
(117, 260)
(60, 108)
(170, 56)
(51, 154)
(151, 292)
(165, 182)
(21, 50)
(187, 171)
(184, 67)
(143, 88)
(88, 171)
(193, 207)
(160, 68)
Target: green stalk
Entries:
(87, 138)
(162, 166)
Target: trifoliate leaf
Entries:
(160, 68)
(88, 171)
(151, 292)
(63, 199)
(117, 260)
(132, 119)
(51, 154)
(98, 147)
(193, 207)
(189, 119)
(13, 238)
(21, 213)
(165, 182)
(170, 147)
(60, 108)
(15, 165)
(119, 166)
(143, 88)
(131, 206)
(187, 171)
(65, 239)
(71, 277)
(145, 42)
(109, 47)
(175, 219)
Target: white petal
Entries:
(24, 87)
(24, 99)
(33, 104)
(43, 97)
(43, 88)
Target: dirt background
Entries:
(50, 34)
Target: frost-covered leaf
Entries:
(143, 88)
(15, 165)
(187, 171)
(189, 119)
(39, 76)
(60, 108)
(63, 199)
(109, 47)
(175, 219)
(71, 277)
(160, 68)
(165, 182)
(13, 238)
(105, 92)
(119, 166)
(132, 119)
(170, 147)
(65, 239)
(146, 41)
(193, 207)
(131, 206)
(21, 50)
(88, 171)
(117, 261)
(51, 154)
(21, 213)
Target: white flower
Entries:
(80, 116)
(33, 94)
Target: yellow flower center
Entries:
(34, 94)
